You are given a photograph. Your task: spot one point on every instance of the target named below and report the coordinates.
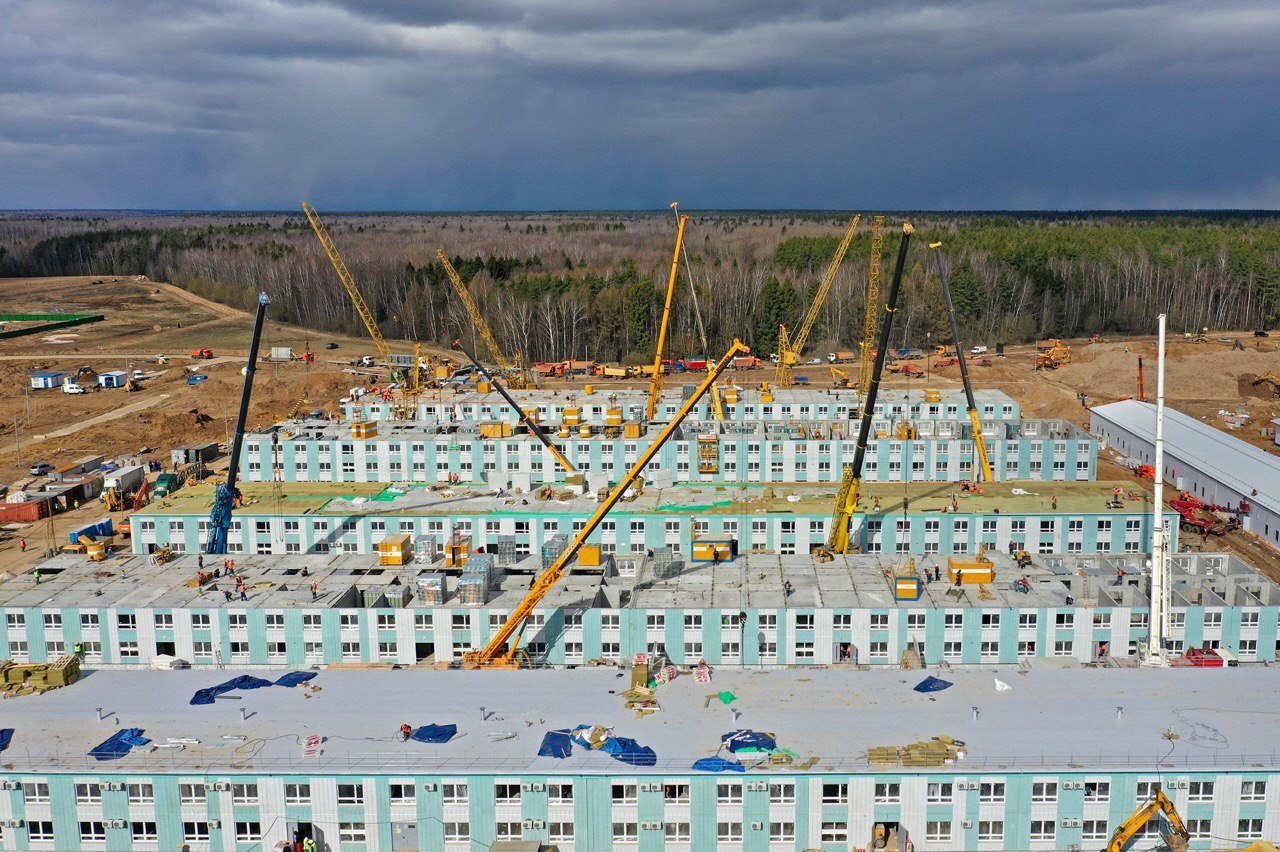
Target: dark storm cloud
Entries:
(579, 103)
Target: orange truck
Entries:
(202, 353)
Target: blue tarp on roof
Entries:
(118, 744)
(434, 733)
(932, 684)
(6, 737)
(623, 749)
(556, 744)
(740, 740)
(209, 693)
(718, 764)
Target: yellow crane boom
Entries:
(717, 403)
(344, 275)
(655, 384)
(847, 498)
(872, 317)
(497, 653)
(509, 366)
(979, 441)
(791, 348)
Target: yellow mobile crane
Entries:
(655, 384)
(791, 348)
(344, 274)
(979, 442)
(872, 318)
(717, 404)
(847, 498)
(503, 649)
(512, 368)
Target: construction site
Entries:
(972, 597)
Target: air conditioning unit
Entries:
(757, 826)
(526, 787)
(1073, 785)
(960, 785)
(968, 823)
(1071, 822)
(116, 823)
(538, 787)
(651, 788)
(430, 787)
(220, 786)
(651, 826)
(14, 823)
(115, 785)
(758, 786)
(8, 785)
(215, 823)
(528, 823)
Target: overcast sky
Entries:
(576, 104)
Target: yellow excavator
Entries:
(503, 650)
(1178, 836)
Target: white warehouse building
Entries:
(1200, 459)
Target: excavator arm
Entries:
(847, 498)
(1158, 803)
(791, 347)
(498, 653)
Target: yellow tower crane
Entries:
(656, 382)
(872, 319)
(344, 274)
(510, 366)
(503, 649)
(791, 348)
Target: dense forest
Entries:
(592, 285)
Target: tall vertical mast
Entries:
(1159, 558)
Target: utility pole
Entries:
(1159, 559)
(16, 442)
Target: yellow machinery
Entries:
(1270, 378)
(979, 442)
(791, 348)
(872, 318)
(509, 366)
(839, 378)
(1158, 803)
(655, 383)
(529, 421)
(847, 498)
(503, 650)
(344, 274)
(717, 404)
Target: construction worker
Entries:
(405, 732)
(1055, 502)
(786, 589)
(22, 545)
(309, 845)
(36, 574)
(314, 590)
(78, 650)
(200, 560)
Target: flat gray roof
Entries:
(1235, 463)
(752, 581)
(1041, 725)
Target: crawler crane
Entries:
(791, 348)
(979, 442)
(513, 368)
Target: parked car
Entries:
(72, 387)
(41, 468)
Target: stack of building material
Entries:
(503, 549)
(473, 590)
(552, 548)
(25, 678)
(432, 589)
(426, 548)
(664, 563)
(938, 751)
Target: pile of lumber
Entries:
(934, 752)
(27, 678)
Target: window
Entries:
(297, 794)
(782, 793)
(560, 792)
(353, 794)
(835, 832)
(192, 794)
(888, 793)
(990, 830)
(1200, 829)
(656, 621)
(1200, 791)
(1042, 829)
(991, 619)
(402, 794)
(1064, 619)
(1253, 791)
(144, 832)
(141, 794)
(126, 621)
(879, 621)
(506, 794)
(1064, 648)
(40, 830)
(991, 791)
(677, 832)
(677, 793)
(804, 621)
(937, 831)
(1097, 791)
(94, 831)
(244, 794)
(560, 832)
(88, 793)
(782, 832)
(835, 794)
(729, 832)
(352, 832)
(248, 832)
(1249, 829)
(454, 794)
(626, 832)
(1044, 791)
(195, 832)
(728, 793)
(1095, 829)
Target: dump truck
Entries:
(748, 362)
(842, 357)
(202, 354)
